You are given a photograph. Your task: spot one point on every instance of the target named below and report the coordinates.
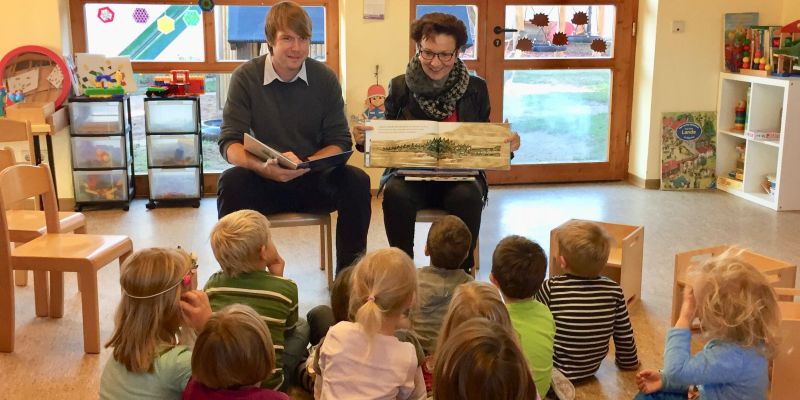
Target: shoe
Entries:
(562, 387)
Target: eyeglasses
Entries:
(429, 55)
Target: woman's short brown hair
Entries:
(433, 24)
(286, 16)
(234, 349)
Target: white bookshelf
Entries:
(772, 104)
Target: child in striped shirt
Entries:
(588, 309)
(252, 274)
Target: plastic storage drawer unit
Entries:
(172, 150)
(96, 118)
(98, 152)
(174, 183)
(174, 116)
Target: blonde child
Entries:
(738, 313)
(232, 355)
(252, 274)
(585, 323)
(482, 360)
(363, 359)
(151, 357)
(474, 300)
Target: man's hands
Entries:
(360, 134)
(272, 171)
(649, 381)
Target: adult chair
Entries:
(53, 253)
(432, 215)
(282, 220)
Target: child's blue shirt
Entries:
(722, 370)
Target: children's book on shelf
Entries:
(440, 145)
(688, 150)
(734, 38)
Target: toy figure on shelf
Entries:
(740, 116)
(15, 97)
(102, 157)
(376, 95)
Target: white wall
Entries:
(685, 67)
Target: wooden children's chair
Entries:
(780, 274)
(282, 220)
(53, 253)
(17, 131)
(624, 264)
(26, 225)
(783, 377)
(432, 215)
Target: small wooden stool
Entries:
(781, 274)
(432, 215)
(281, 220)
(783, 374)
(624, 264)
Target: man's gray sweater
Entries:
(288, 116)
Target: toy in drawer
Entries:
(99, 152)
(171, 183)
(172, 150)
(91, 186)
(96, 118)
(167, 116)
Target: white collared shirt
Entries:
(270, 74)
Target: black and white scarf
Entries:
(437, 101)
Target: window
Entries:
(160, 35)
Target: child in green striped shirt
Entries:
(252, 274)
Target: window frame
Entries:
(211, 64)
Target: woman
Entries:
(436, 86)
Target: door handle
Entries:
(499, 29)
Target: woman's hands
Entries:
(360, 134)
(649, 381)
(514, 140)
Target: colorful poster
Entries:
(734, 39)
(688, 150)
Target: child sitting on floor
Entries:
(738, 313)
(151, 356)
(363, 359)
(585, 323)
(252, 274)
(232, 356)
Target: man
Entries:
(294, 104)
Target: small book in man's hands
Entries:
(264, 152)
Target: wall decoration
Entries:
(24, 82)
(23, 60)
(105, 14)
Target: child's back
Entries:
(244, 249)
(588, 309)
(148, 361)
(588, 312)
(363, 359)
(448, 245)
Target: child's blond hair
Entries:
(149, 314)
(585, 246)
(237, 239)
(735, 303)
(482, 360)
(474, 300)
(233, 350)
(383, 284)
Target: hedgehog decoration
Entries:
(560, 39)
(599, 45)
(525, 44)
(540, 20)
(580, 18)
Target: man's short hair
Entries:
(286, 16)
(237, 239)
(585, 246)
(518, 266)
(448, 242)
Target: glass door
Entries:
(561, 72)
